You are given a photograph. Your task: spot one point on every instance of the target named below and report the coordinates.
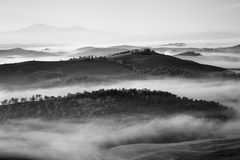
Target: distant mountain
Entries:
(48, 28)
(189, 54)
(41, 33)
(19, 52)
(175, 44)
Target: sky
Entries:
(123, 16)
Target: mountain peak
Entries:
(45, 27)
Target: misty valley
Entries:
(119, 80)
(120, 103)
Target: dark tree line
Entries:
(88, 58)
(111, 102)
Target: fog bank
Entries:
(91, 138)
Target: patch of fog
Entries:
(90, 139)
(17, 59)
(225, 60)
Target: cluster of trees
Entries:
(37, 97)
(109, 102)
(88, 58)
(145, 51)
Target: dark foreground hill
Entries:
(111, 102)
(59, 71)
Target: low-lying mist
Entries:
(225, 60)
(92, 138)
(18, 59)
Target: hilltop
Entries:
(189, 54)
(147, 59)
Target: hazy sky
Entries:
(126, 16)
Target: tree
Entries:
(23, 100)
(15, 100)
(38, 97)
(5, 102)
(32, 99)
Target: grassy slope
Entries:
(36, 71)
(141, 61)
(224, 149)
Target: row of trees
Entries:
(88, 58)
(37, 97)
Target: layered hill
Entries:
(134, 63)
(230, 49)
(103, 51)
(147, 59)
(233, 49)
(211, 149)
(19, 52)
(37, 71)
(189, 54)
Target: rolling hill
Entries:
(149, 59)
(174, 48)
(211, 149)
(177, 50)
(37, 71)
(112, 102)
(189, 54)
(100, 51)
(19, 52)
(122, 65)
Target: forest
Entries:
(111, 102)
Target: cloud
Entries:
(235, 5)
